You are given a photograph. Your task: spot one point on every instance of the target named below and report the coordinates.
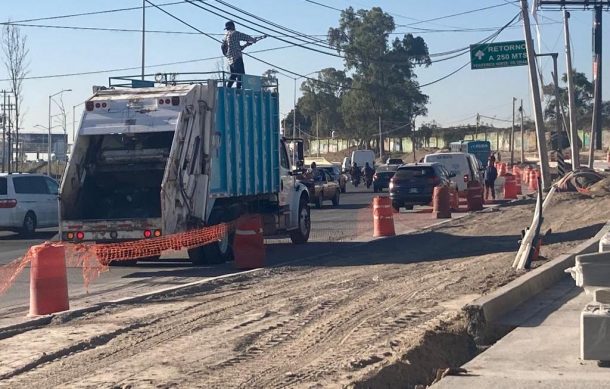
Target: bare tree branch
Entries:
(16, 63)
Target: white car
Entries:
(27, 201)
(464, 166)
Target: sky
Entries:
(454, 100)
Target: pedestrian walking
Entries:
(491, 173)
(232, 49)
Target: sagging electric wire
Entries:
(221, 15)
(312, 38)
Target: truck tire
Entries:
(319, 201)
(301, 234)
(336, 198)
(216, 252)
(396, 205)
(29, 224)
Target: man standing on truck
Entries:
(232, 49)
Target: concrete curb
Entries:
(488, 309)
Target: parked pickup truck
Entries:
(171, 157)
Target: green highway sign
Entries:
(497, 55)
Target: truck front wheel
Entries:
(301, 234)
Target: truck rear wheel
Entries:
(213, 253)
(301, 234)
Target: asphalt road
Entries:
(332, 229)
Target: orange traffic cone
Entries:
(383, 217)
(48, 280)
(249, 243)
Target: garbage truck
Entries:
(153, 158)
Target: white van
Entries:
(346, 164)
(27, 201)
(463, 165)
(361, 157)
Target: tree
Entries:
(269, 79)
(321, 100)
(384, 83)
(583, 97)
(16, 63)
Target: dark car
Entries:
(382, 177)
(394, 161)
(413, 184)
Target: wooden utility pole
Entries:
(539, 119)
(575, 151)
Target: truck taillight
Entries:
(465, 177)
(161, 101)
(157, 233)
(147, 233)
(9, 203)
(175, 100)
(89, 105)
(80, 235)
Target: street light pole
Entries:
(49, 128)
(294, 110)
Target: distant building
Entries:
(33, 145)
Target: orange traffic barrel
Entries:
(526, 175)
(503, 169)
(48, 280)
(454, 198)
(516, 170)
(249, 243)
(474, 196)
(383, 217)
(518, 182)
(533, 181)
(510, 187)
(441, 202)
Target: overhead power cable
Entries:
(262, 26)
(453, 15)
(138, 67)
(289, 30)
(324, 5)
(92, 13)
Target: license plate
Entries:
(413, 190)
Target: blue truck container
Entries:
(247, 129)
(479, 148)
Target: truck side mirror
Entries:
(300, 154)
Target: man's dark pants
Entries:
(237, 69)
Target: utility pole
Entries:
(143, 36)
(294, 110)
(575, 151)
(380, 139)
(318, 131)
(10, 144)
(4, 130)
(531, 61)
(512, 136)
(596, 127)
(478, 122)
(522, 135)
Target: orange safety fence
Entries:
(94, 258)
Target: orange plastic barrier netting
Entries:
(95, 258)
(152, 247)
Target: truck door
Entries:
(287, 181)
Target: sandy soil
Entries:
(332, 323)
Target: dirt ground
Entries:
(389, 306)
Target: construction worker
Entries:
(232, 49)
